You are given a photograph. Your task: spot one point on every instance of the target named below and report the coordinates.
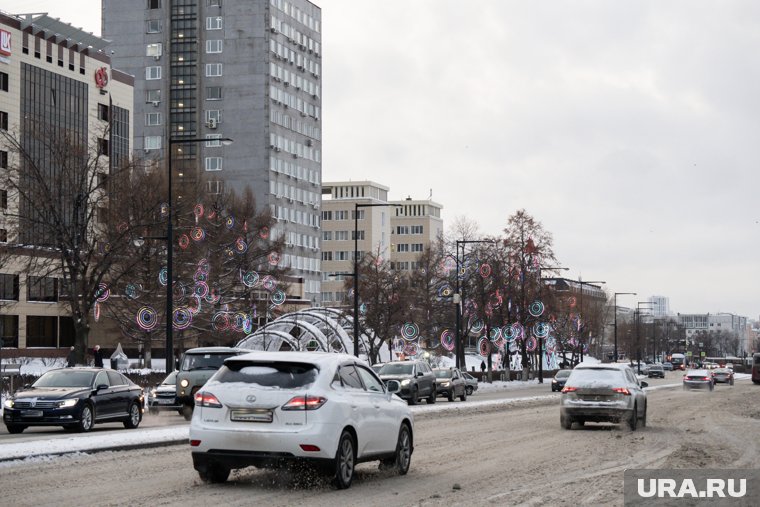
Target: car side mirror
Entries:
(393, 386)
(644, 384)
(419, 374)
(101, 387)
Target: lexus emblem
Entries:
(250, 398)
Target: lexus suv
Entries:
(416, 378)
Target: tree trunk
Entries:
(81, 342)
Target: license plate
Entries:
(164, 402)
(251, 415)
(31, 413)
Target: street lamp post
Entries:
(356, 267)
(615, 359)
(170, 251)
(638, 337)
(582, 283)
(460, 300)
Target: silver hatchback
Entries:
(603, 393)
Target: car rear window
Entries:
(279, 374)
(442, 373)
(563, 373)
(397, 369)
(204, 361)
(595, 376)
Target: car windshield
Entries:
(396, 369)
(376, 367)
(655, 367)
(593, 377)
(442, 373)
(171, 379)
(204, 361)
(563, 373)
(278, 374)
(65, 378)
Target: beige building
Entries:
(59, 76)
(395, 230)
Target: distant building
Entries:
(660, 306)
(736, 325)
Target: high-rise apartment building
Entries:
(398, 231)
(56, 81)
(660, 306)
(246, 70)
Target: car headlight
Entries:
(405, 382)
(184, 382)
(153, 393)
(445, 384)
(67, 403)
(8, 403)
(554, 381)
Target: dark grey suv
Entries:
(196, 367)
(416, 379)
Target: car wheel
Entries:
(566, 422)
(345, 460)
(187, 412)
(214, 474)
(469, 390)
(413, 399)
(644, 417)
(450, 395)
(133, 419)
(15, 429)
(433, 394)
(403, 457)
(464, 395)
(86, 419)
(633, 419)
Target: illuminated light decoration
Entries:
(211, 215)
(197, 307)
(245, 225)
(484, 346)
(197, 234)
(411, 349)
(269, 283)
(162, 276)
(531, 343)
(213, 296)
(198, 211)
(363, 309)
(200, 289)
(541, 329)
(264, 232)
(398, 345)
(104, 248)
(147, 318)
(204, 266)
(220, 321)
(182, 318)
(103, 293)
(494, 334)
(445, 291)
(448, 265)
(536, 308)
(241, 246)
(230, 222)
(500, 343)
(101, 77)
(513, 332)
(164, 209)
(200, 276)
(239, 320)
(571, 301)
(229, 252)
(476, 325)
(409, 331)
(122, 227)
(96, 311)
(277, 297)
(485, 270)
(274, 258)
(495, 300)
(462, 271)
(250, 279)
(184, 241)
(132, 291)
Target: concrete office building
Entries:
(399, 232)
(55, 79)
(660, 306)
(246, 70)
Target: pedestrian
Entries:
(98, 356)
(71, 359)
(483, 366)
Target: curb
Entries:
(95, 450)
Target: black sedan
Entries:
(75, 398)
(558, 382)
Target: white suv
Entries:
(270, 408)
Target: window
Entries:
(41, 331)
(214, 23)
(152, 143)
(349, 378)
(370, 381)
(214, 46)
(417, 247)
(213, 69)
(154, 26)
(152, 95)
(213, 115)
(3, 81)
(341, 235)
(213, 93)
(326, 215)
(3, 199)
(357, 235)
(103, 146)
(153, 72)
(417, 229)
(214, 187)
(326, 235)
(403, 247)
(9, 330)
(154, 50)
(214, 3)
(102, 112)
(3, 159)
(42, 288)
(154, 4)
(3, 120)
(214, 140)
(327, 256)
(153, 119)
(3, 235)
(213, 163)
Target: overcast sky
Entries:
(628, 128)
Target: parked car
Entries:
(196, 367)
(164, 395)
(449, 383)
(328, 409)
(723, 376)
(667, 366)
(76, 399)
(376, 367)
(698, 379)
(416, 379)
(656, 370)
(470, 382)
(603, 393)
(558, 382)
